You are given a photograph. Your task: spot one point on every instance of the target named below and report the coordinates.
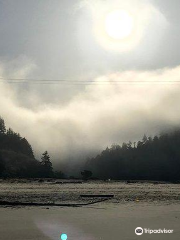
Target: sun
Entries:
(119, 24)
(119, 27)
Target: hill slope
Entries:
(17, 158)
(148, 159)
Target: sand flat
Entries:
(102, 221)
(52, 191)
(146, 205)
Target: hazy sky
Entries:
(64, 39)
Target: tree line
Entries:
(17, 158)
(156, 158)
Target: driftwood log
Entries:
(6, 203)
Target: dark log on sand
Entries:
(11, 204)
(72, 182)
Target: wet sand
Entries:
(146, 205)
(102, 221)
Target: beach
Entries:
(145, 205)
(68, 191)
(102, 221)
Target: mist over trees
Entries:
(155, 158)
(17, 158)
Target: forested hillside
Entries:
(155, 158)
(10, 140)
(17, 159)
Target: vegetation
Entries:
(155, 158)
(46, 165)
(17, 157)
(9, 140)
(17, 165)
(86, 174)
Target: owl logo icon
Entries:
(139, 231)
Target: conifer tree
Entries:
(47, 169)
(2, 126)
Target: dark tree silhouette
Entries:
(59, 175)
(47, 169)
(155, 158)
(17, 158)
(16, 155)
(2, 126)
(2, 166)
(10, 140)
(86, 174)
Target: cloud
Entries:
(104, 113)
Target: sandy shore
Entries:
(100, 222)
(55, 191)
(146, 205)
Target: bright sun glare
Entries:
(119, 24)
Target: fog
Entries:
(117, 107)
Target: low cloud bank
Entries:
(104, 113)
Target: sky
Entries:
(114, 90)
